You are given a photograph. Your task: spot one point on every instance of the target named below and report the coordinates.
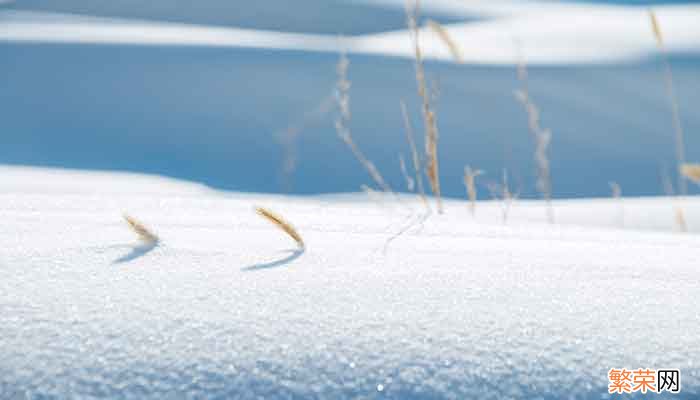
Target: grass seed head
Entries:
(445, 37)
(691, 172)
(144, 234)
(281, 223)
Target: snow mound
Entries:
(226, 307)
(486, 32)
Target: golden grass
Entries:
(144, 234)
(445, 37)
(679, 215)
(691, 172)
(670, 93)
(469, 182)
(542, 138)
(414, 155)
(429, 117)
(656, 28)
(289, 137)
(342, 124)
(281, 223)
(680, 219)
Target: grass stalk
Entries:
(678, 214)
(145, 235)
(410, 182)
(502, 193)
(673, 101)
(429, 117)
(445, 37)
(542, 138)
(469, 182)
(617, 195)
(282, 224)
(342, 123)
(414, 155)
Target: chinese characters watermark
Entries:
(646, 380)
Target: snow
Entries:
(225, 307)
(27, 26)
(554, 33)
(546, 32)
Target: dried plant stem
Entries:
(281, 223)
(445, 37)
(410, 182)
(542, 138)
(288, 138)
(670, 92)
(145, 235)
(414, 155)
(502, 192)
(679, 215)
(617, 195)
(429, 118)
(342, 123)
(691, 172)
(469, 181)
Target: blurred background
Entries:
(239, 95)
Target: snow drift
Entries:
(223, 308)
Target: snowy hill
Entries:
(225, 307)
(216, 98)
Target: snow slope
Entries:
(225, 308)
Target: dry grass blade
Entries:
(617, 195)
(670, 93)
(656, 28)
(677, 210)
(144, 234)
(290, 136)
(691, 171)
(429, 117)
(410, 183)
(281, 223)
(501, 191)
(444, 35)
(470, 182)
(541, 136)
(342, 123)
(414, 155)
(680, 219)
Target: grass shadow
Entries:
(294, 254)
(137, 251)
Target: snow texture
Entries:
(226, 307)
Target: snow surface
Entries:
(226, 308)
(546, 32)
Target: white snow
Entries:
(545, 32)
(225, 306)
(29, 26)
(554, 34)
